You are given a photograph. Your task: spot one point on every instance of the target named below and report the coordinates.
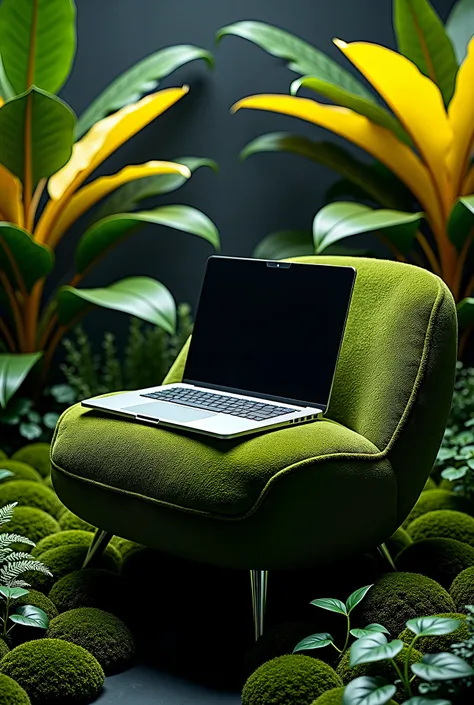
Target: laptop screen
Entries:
(270, 328)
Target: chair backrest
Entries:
(395, 375)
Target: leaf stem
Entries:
(398, 671)
(348, 633)
(406, 680)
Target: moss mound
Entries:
(63, 538)
(21, 471)
(289, 679)
(67, 559)
(462, 589)
(37, 455)
(69, 521)
(431, 500)
(440, 559)
(37, 599)
(48, 482)
(30, 494)
(400, 540)
(443, 642)
(3, 454)
(430, 484)
(398, 597)
(4, 649)
(443, 524)
(334, 697)
(32, 523)
(11, 693)
(54, 672)
(124, 546)
(89, 588)
(105, 636)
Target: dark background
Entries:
(246, 200)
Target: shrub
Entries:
(63, 538)
(37, 455)
(431, 500)
(289, 679)
(400, 540)
(440, 559)
(397, 597)
(69, 521)
(443, 523)
(439, 643)
(89, 588)
(334, 697)
(32, 523)
(462, 589)
(21, 471)
(105, 636)
(11, 693)
(30, 494)
(54, 672)
(67, 559)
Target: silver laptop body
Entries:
(263, 353)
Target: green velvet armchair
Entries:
(295, 496)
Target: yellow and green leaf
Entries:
(13, 370)
(461, 118)
(10, 197)
(460, 27)
(21, 256)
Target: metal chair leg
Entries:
(258, 584)
(385, 553)
(97, 547)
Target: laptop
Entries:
(263, 353)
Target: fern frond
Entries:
(18, 556)
(19, 583)
(6, 513)
(12, 571)
(6, 539)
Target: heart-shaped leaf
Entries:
(13, 370)
(13, 593)
(432, 626)
(5, 473)
(420, 700)
(33, 261)
(374, 648)
(51, 419)
(30, 616)
(369, 629)
(465, 310)
(446, 454)
(30, 430)
(454, 473)
(461, 221)
(315, 641)
(330, 604)
(442, 667)
(459, 27)
(356, 597)
(367, 690)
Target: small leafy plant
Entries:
(459, 458)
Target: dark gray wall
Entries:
(246, 200)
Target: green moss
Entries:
(397, 597)
(67, 559)
(289, 679)
(105, 636)
(430, 484)
(48, 482)
(63, 538)
(89, 588)
(21, 471)
(37, 455)
(400, 540)
(32, 523)
(69, 521)
(3, 455)
(462, 589)
(124, 546)
(445, 524)
(440, 559)
(54, 672)
(4, 649)
(443, 642)
(334, 697)
(37, 599)
(30, 494)
(11, 693)
(431, 500)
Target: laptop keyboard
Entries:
(209, 401)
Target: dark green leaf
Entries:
(142, 78)
(33, 261)
(357, 597)
(6, 90)
(421, 37)
(51, 134)
(460, 27)
(368, 630)
(453, 473)
(446, 454)
(285, 243)
(302, 57)
(13, 593)
(34, 416)
(461, 221)
(373, 648)
(30, 430)
(51, 419)
(330, 604)
(30, 616)
(315, 641)
(465, 309)
(142, 297)
(13, 370)
(5, 473)
(432, 626)
(470, 463)
(367, 690)
(63, 394)
(442, 667)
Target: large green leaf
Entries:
(30, 616)
(460, 27)
(331, 604)
(302, 57)
(33, 261)
(422, 38)
(368, 690)
(356, 597)
(141, 297)
(340, 220)
(432, 626)
(13, 370)
(285, 243)
(378, 186)
(142, 78)
(315, 641)
(12, 593)
(373, 648)
(465, 309)
(461, 221)
(47, 30)
(368, 630)
(108, 232)
(6, 90)
(127, 197)
(442, 667)
(50, 133)
(364, 106)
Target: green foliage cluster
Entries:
(443, 523)
(32, 522)
(19, 470)
(89, 588)
(31, 494)
(462, 589)
(11, 693)
(440, 559)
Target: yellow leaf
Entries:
(415, 100)
(108, 135)
(2, 102)
(374, 139)
(88, 195)
(461, 117)
(10, 197)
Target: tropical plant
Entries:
(422, 143)
(45, 150)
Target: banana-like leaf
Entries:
(422, 38)
(11, 191)
(302, 57)
(106, 233)
(378, 185)
(465, 310)
(285, 243)
(340, 220)
(6, 90)
(13, 370)
(142, 297)
(38, 41)
(127, 197)
(340, 96)
(461, 221)
(33, 261)
(460, 27)
(142, 78)
(48, 135)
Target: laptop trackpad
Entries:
(159, 410)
